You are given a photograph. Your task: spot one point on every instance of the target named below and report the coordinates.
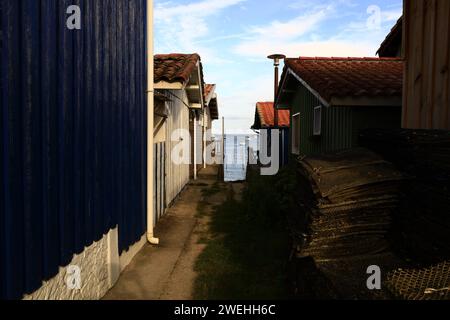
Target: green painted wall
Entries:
(340, 125)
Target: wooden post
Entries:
(223, 145)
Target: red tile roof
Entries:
(208, 89)
(175, 67)
(350, 77)
(265, 116)
(213, 107)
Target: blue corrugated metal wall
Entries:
(73, 134)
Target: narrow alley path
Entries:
(167, 271)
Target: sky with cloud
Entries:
(234, 37)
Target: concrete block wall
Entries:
(100, 267)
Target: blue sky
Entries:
(234, 37)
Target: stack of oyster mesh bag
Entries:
(344, 214)
(424, 216)
(425, 212)
(346, 205)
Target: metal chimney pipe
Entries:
(276, 63)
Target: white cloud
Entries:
(291, 29)
(180, 26)
(301, 36)
(328, 48)
(278, 36)
(307, 4)
(165, 11)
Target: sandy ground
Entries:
(166, 272)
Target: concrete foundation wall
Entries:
(100, 267)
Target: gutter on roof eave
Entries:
(366, 101)
(166, 85)
(201, 81)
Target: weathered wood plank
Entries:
(426, 100)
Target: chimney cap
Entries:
(276, 58)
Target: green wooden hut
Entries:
(332, 99)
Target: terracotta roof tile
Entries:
(350, 77)
(208, 89)
(213, 107)
(264, 111)
(175, 67)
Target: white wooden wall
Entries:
(159, 181)
(177, 175)
(199, 142)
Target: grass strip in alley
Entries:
(247, 243)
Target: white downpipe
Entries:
(195, 147)
(150, 124)
(204, 140)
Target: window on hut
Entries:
(296, 133)
(318, 121)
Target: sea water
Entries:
(237, 156)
